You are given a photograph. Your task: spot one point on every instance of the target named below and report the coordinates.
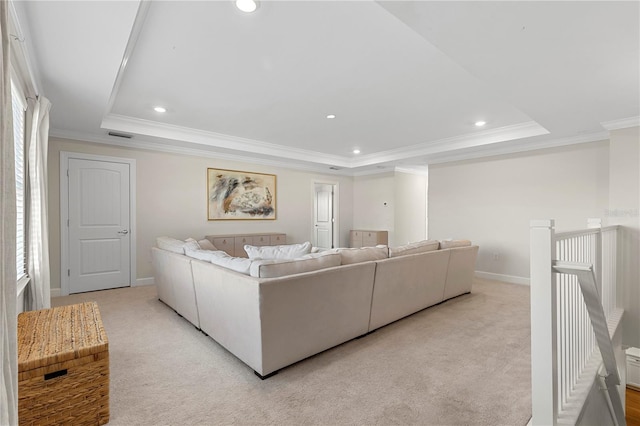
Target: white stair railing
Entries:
(573, 293)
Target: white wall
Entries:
(491, 201)
(624, 210)
(370, 193)
(395, 202)
(171, 200)
(410, 212)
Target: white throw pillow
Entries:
(445, 244)
(170, 244)
(413, 248)
(206, 245)
(238, 264)
(281, 267)
(364, 254)
(288, 251)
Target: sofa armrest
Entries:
(462, 265)
(174, 283)
(229, 308)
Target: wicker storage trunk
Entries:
(63, 366)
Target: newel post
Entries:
(596, 223)
(544, 360)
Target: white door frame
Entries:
(65, 156)
(336, 209)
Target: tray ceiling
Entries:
(406, 81)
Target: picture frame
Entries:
(240, 195)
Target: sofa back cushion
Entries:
(200, 254)
(274, 268)
(446, 244)
(363, 254)
(170, 244)
(238, 264)
(288, 251)
(414, 248)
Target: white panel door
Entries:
(99, 218)
(323, 216)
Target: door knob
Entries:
(123, 232)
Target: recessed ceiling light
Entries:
(160, 109)
(356, 151)
(331, 116)
(480, 123)
(247, 6)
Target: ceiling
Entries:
(407, 81)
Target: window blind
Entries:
(18, 107)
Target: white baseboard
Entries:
(56, 292)
(504, 278)
(144, 281)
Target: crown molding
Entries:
(150, 145)
(420, 171)
(172, 132)
(515, 148)
(621, 123)
(462, 154)
(471, 140)
(169, 131)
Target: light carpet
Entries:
(463, 362)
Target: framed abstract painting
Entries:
(237, 195)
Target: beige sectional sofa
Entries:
(270, 323)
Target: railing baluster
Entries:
(572, 335)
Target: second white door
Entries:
(323, 216)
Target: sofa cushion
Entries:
(238, 264)
(170, 244)
(288, 251)
(200, 254)
(413, 248)
(272, 268)
(446, 244)
(363, 254)
(206, 245)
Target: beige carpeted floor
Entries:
(464, 362)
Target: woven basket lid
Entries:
(50, 336)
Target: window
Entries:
(19, 107)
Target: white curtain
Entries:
(38, 224)
(8, 318)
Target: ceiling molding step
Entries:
(487, 137)
(525, 146)
(422, 171)
(173, 149)
(136, 29)
(623, 123)
(172, 132)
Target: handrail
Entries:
(574, 311)
(587, 281)
(567, 234)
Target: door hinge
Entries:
(67, 223)
(68, 272)
(67, 172)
